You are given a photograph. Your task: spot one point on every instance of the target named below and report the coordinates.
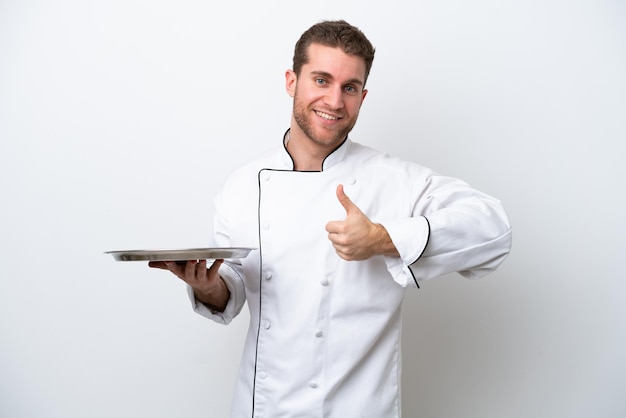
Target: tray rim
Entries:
(178, 254)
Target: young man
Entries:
(341, 231)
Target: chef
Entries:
(341, 231)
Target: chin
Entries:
(328, 141)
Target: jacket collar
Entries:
(335, 157)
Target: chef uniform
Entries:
(324, 334)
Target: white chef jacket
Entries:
(324, 334)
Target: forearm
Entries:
(384, 244)
(215, 298)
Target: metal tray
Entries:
(180, 255)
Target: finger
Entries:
(201, 269)
(334, 227)
(341, 252)
(157, 265)
(174, 267)
(216, 265)
(190, 269)
(345, 200)
(339, 240)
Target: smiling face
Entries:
(327, 94)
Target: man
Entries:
(341, 231)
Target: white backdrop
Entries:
(119, 119)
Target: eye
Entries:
(320, 81)
(350, 89)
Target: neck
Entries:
(306, 155)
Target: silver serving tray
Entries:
(180, 255)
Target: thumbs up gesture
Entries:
(356, 237)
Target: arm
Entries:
(453, 228)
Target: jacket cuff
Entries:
(410, 237)
(235, 302)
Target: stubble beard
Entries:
(300, 113)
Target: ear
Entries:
(363, 95)
(291, 79)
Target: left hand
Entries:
(356, 237)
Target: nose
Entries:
(334, 98)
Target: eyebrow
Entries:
(330, 76)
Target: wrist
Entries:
(385, 244)
(215, 296)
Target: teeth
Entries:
(326, 116)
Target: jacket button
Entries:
(319, 333)
(267, 324)
(324, 282)
(313, 385)
(268, 275)
(350, 181)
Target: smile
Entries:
(325, 115)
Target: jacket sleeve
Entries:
(451, 228)
(231, 272)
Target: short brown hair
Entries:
(337, 34)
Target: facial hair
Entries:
(303, 115)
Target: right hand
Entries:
(208, 287)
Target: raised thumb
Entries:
(345, 200)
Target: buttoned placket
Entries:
(320, 330)
(318, 333)
(265, 325)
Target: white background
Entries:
(119, 119)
